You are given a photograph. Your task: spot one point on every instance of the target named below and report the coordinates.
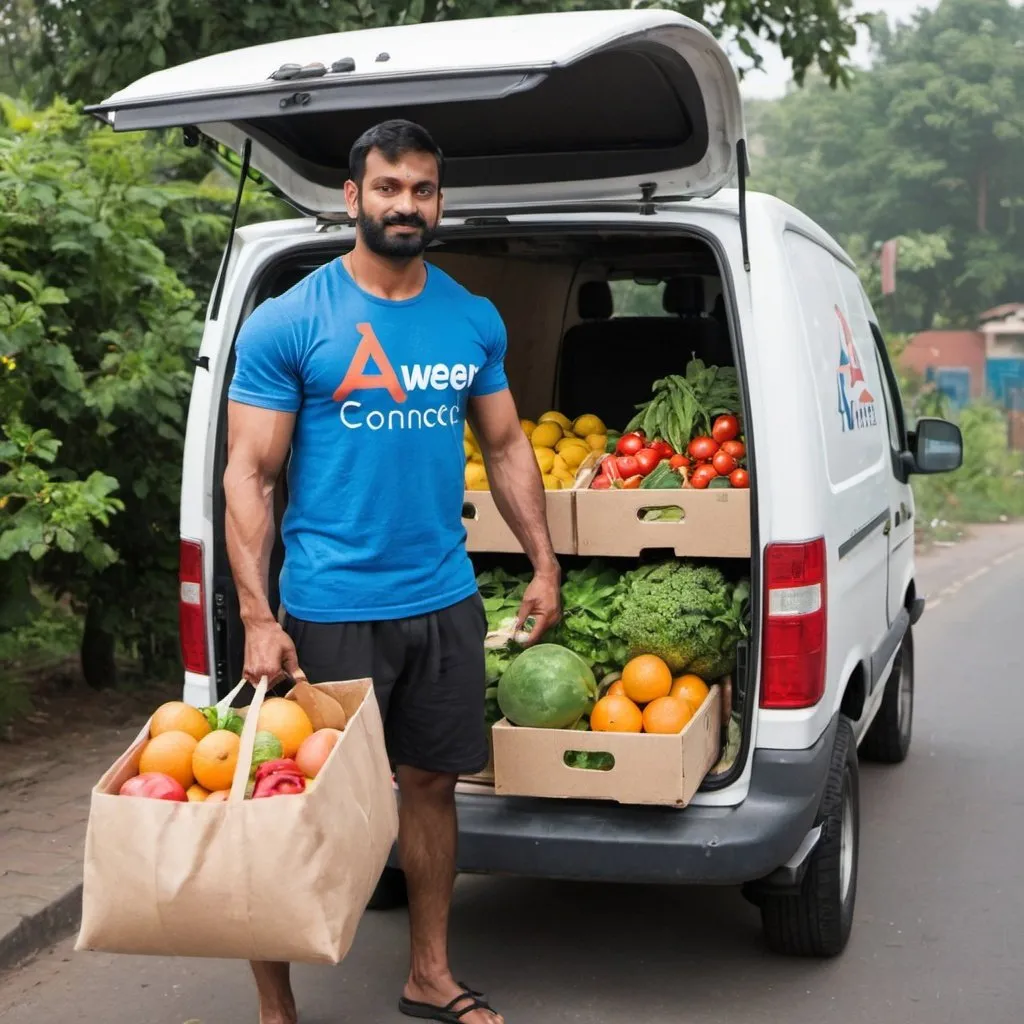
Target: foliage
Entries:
(96, 335)
(86, 49)
(990, 484)
(925, 147)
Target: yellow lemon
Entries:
(589, 424)
(552, 483)
(566, 477)
(468, 449)
(477, 457)
(556, 417)
(597, 442)
(570, 442)
(476, 477)
(559, 465)
(547, 435)
(528, 427)
(545, 459)
(574, 455)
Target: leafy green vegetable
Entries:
(688, 614)
(502, 595)
(682, 406)
(591, 599)
(224, 718)
(663, 477)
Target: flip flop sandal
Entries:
(446, 1014)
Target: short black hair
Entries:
(393, 139)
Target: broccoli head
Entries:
(690, 615)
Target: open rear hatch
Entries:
(529, 110)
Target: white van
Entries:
(588, 156)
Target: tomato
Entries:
(702, 476)
(632, 483)
(601, 483)
(723, 462)
(610, 468)
(663, 448)
(736, 449)
(155, 785)
(679, 462)
(629, 444)
(739, 478)
(627, 466)
(703, 448)
(648, 459)
(726, 428)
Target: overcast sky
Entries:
(773, 79)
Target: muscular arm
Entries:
(258, 443)
(518, 492)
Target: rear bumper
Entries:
(582, 840)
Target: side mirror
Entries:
(936, 446)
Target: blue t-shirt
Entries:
(373, 529)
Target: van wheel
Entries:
(391, 891)
(888, 739)
(817, 921)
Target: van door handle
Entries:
(887, 529)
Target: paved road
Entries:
(939, 933)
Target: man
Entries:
(366, 371)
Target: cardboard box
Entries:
(715, 523)
(487, 531)
(648, 769)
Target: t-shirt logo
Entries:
(357, 379)
(360, 377)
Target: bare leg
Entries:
(277, 1004)
(427, 838)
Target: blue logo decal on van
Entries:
(856, 403)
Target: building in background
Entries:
(984, 363)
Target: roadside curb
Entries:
(34, 932)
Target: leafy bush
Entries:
(989, 485)
(97, 332)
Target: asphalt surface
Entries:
(939, 931)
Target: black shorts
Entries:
(428, 676)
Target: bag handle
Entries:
(248, 744)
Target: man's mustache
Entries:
(405, 220)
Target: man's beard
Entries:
(394, 247)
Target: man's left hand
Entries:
(543, 603)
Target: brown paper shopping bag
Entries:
(279, 878)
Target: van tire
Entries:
(888, 739)
(391, 892)
(817, 921)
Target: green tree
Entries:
(84, 49)
(96, 335)
(926, 146)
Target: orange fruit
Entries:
(287, 721)
(170, 753)
(616, 713)
(177, 716)
(646, 678)
(691, 688)
(617, 689)
(196, 794)
(667, 715)
(214, 760)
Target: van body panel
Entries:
(790, 366)
(538, 107)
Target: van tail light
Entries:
(795, 626)
(192, 607)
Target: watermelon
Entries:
(547, 687)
